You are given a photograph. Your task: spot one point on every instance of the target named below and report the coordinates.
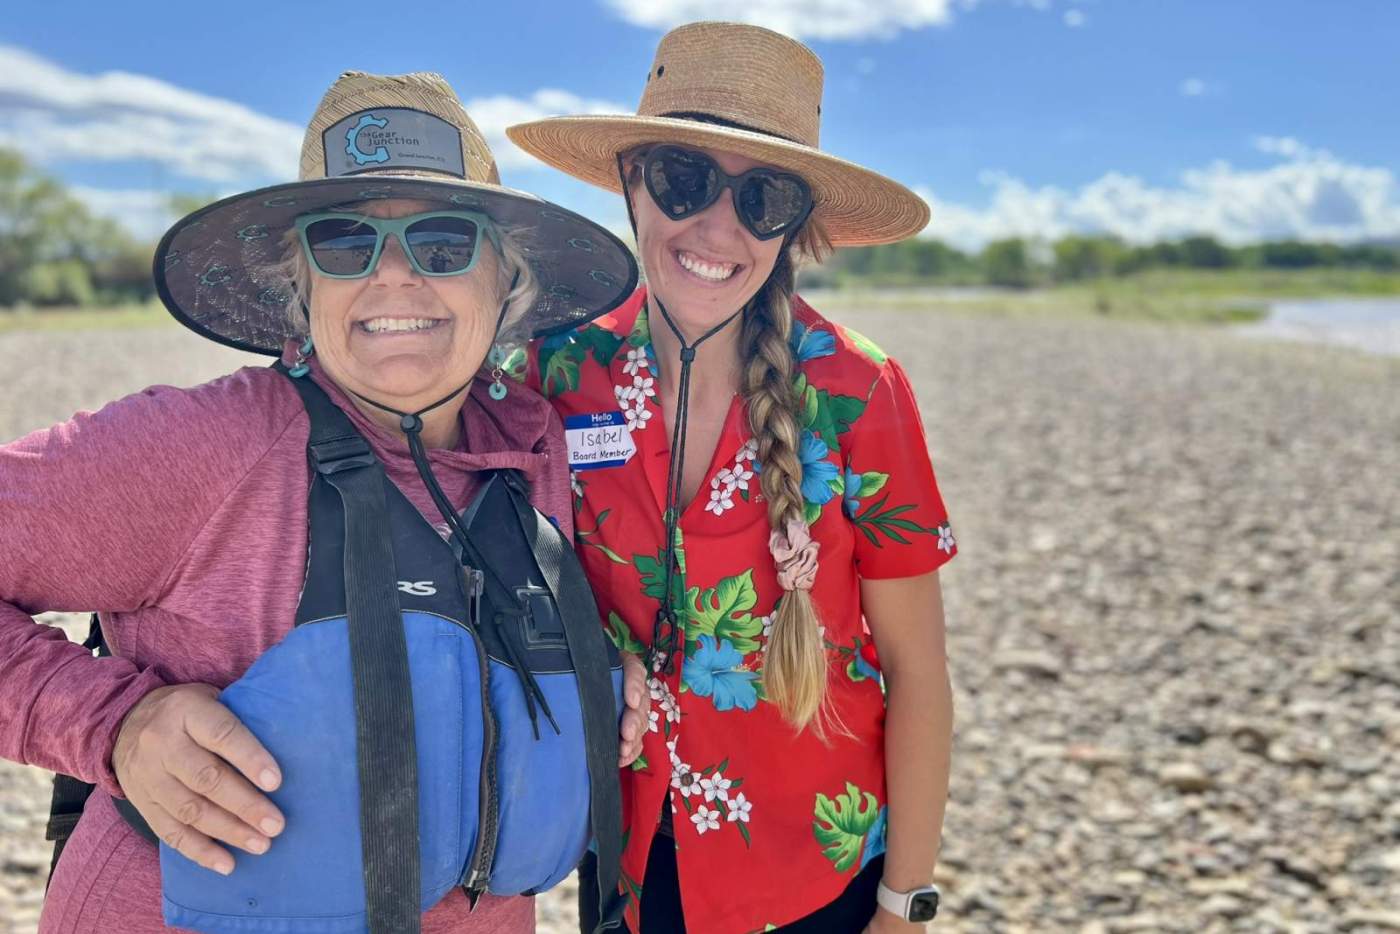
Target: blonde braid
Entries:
(795, 666)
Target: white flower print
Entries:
(946, 541)
(663, 696)
(705, 819)
(636, 361)
(680, 771)
(767, 622)
(717, 786)
(730, 480)
(642, 387)
(637, 418)
(675, 759)
(574, 484)
(654, 721)
(720, 500)
(739, 808)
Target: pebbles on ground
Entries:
(1174, 625)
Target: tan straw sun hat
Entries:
(372, 137)
(740, 89)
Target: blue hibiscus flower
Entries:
(713, 671)
(809, 344)
(874, 839)
(556, 341)
(850, 492)
(817, 471)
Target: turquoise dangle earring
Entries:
(497, 359)
(299, 366)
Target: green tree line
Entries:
(1020, 263)
(55, 251)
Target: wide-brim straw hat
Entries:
(740, 89)
(373, 137)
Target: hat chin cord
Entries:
(411, 423)
(661, 654)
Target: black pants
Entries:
(661, 898)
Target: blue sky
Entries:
(1145, 118)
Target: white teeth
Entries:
(375, 325)
(715, 272)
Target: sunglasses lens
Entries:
(443, 245)
(681, 182)
(341, 246)
(770, 203)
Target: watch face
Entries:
(923, 906)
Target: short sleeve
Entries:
(891, 494)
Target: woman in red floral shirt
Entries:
(782, 459)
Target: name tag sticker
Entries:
(600, 439)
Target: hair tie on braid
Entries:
(795, 554)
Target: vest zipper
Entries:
(478, 871)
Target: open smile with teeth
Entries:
(398, 325)
(710, 272)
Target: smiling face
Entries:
(707, 266)
(399, 338)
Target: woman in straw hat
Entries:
(756, 509)
(388, 280)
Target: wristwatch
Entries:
(918, 905)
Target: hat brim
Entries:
(857, 207)
(212, 267)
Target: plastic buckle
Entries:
(339, 454)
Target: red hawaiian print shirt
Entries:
(770, 825)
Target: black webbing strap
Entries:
(70, 794)
(386, 752)
(588, 648)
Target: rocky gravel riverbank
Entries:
(1174, 624)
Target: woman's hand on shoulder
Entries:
(190, 767)
(637, 704)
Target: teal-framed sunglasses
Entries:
(437, 243)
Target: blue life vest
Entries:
(440, 719)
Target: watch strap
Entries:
(899, 903)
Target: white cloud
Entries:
(1075, 18)
(802, 19)
(1192, 87)
(494, 114)
(1310, 194)
(52, 115)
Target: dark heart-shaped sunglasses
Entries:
(768, 202)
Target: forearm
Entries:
(59, 707)
(918, 746)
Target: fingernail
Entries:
(223, 866)
(256, 845)
(268, 779)
(271, 826)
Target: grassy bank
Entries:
(1186, 296)
(1182, 296)
(82, 319)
